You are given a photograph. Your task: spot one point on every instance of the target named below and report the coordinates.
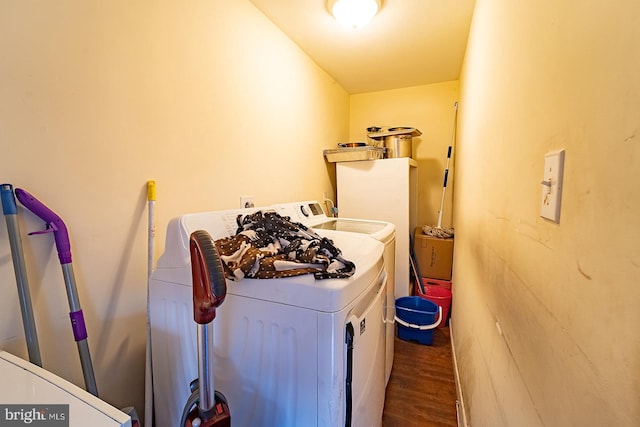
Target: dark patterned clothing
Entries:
(268, 245)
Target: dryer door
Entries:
(365, 359)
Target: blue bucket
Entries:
(416, 318)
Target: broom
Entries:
(438, 231)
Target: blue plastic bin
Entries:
(416, 318)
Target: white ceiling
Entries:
(408, 43)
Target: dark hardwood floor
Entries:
(421, 391)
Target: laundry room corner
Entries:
(546, 323)
(100, 98)
(428, 108)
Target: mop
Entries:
(438, 231)
(10, 210)
(55, 225)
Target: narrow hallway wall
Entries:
(545, 315)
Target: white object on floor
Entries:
(26, 384)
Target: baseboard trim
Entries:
(461, 412)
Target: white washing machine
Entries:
(32, 395)
(281, 355)
(312, 215)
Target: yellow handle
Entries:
(151, 191)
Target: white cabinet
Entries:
(383, 190)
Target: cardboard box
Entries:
(434, 255)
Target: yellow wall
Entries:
(429, 108)
(542, 76)
(213, 102)
(209, 99)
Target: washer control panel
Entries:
(311, 209)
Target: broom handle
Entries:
(10, 211)
(151, 235)
(151, 232)
(444, 188)
(446, 170)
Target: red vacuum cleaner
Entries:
(205, 407)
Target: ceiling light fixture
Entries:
(353, 14)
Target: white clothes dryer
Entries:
(30, 394)
(284, 349)
(312, 215)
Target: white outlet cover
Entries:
(246, 202)
(552, 186)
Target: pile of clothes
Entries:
(268, 245)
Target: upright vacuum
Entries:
(205, 407)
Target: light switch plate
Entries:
(552, 185)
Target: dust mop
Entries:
(438, 231)
(55, 225)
